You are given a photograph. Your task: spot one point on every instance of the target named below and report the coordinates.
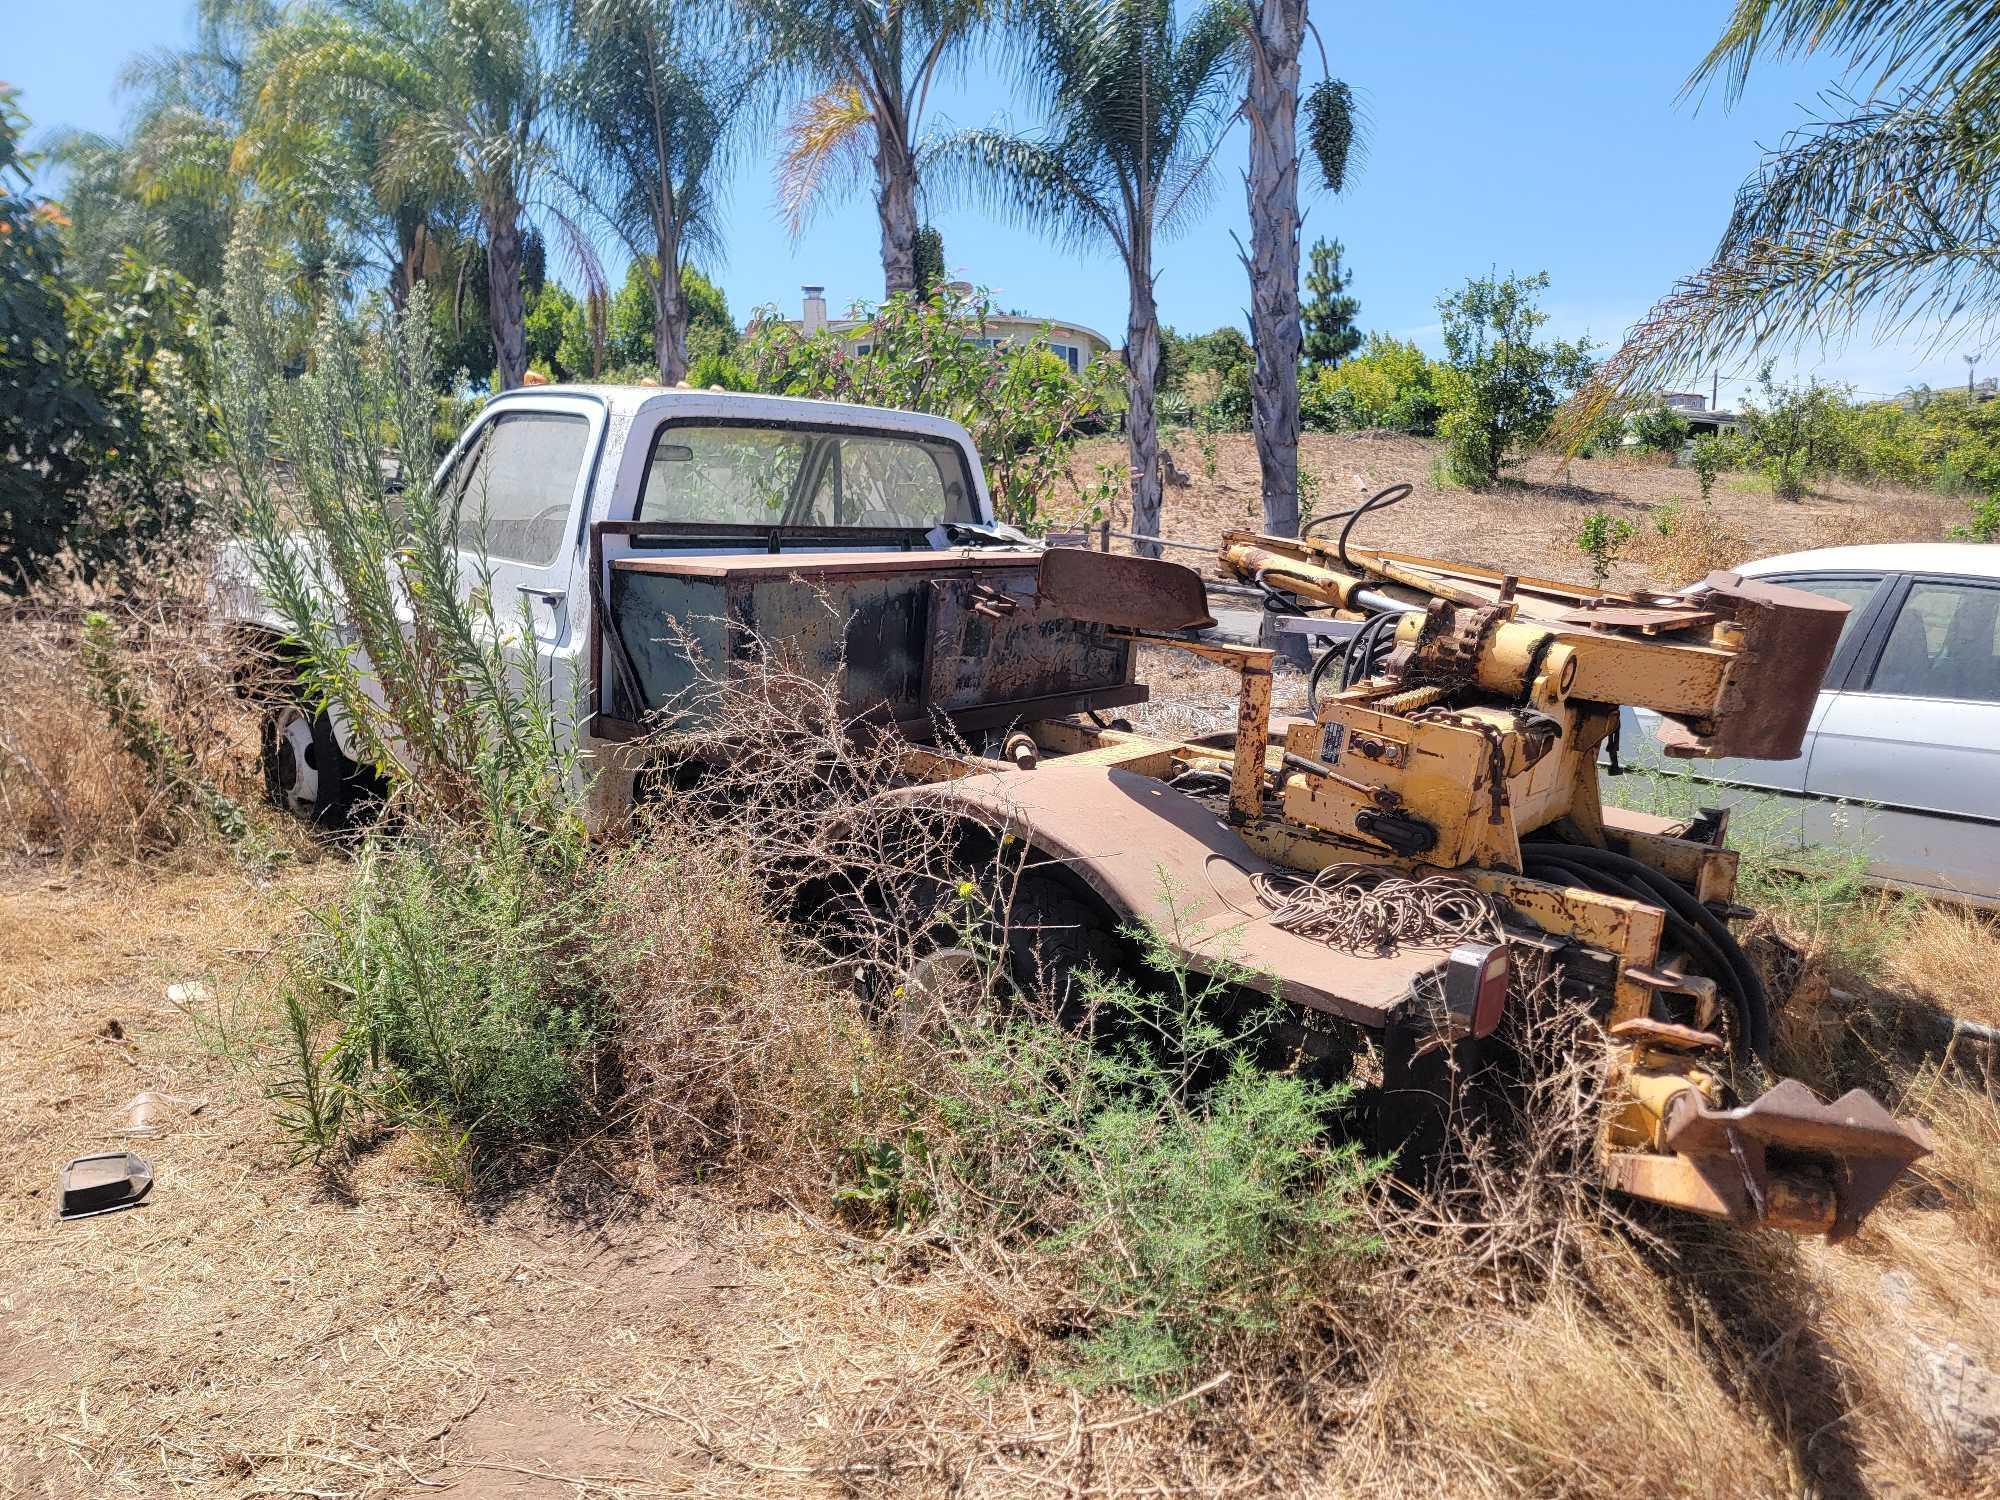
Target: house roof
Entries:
(842, 325)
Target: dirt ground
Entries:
(1529, 521)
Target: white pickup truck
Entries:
(639, 522)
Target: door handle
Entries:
(547, 596)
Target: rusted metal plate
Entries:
(1861, 1146)
(1114, 588)
(1164, 858)
(1648, 621)
(1767, 701)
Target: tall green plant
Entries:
(393, 626)
(1138, 100)
(1330, 333)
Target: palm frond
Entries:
(827, 140)
(1885, 214)
(1935, 47)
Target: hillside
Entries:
(1530, 520)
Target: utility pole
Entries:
(1714, 390)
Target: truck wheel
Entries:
(1053, 936)
(305, 772)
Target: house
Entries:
(1702, 422)
(1071, 342)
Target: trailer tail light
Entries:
(1476, 976)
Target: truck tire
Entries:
(306, 773)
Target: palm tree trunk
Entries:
(1272, 106)
(1142, 374)
(505, 305)
(670, 318)
(896, 206)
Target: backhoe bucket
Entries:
(1790, 1161)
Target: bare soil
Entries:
(1528, 521)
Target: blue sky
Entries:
(1518, 137)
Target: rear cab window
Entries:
(770, 474)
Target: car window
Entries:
(512, 493)
(1945, 644)
(1853, 592)
(744, 475)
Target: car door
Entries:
(1766, 789)
(519, 482)
(1914, 733)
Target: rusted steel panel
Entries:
(1116, 588)
(1161, 857)
(1789, 638)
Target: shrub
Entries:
(1798, 433)
(1502, 385)
(1712, 454)
(1185, 1193)
(101, 392)
(1660, 428)
(1601, 538)
(1389, 384)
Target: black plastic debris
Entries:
(102, 1184)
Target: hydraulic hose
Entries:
(1381, 500)
(1749, 986)
(1678, 929)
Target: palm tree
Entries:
(1883, 206)
(1276, 29)
(653, 112)
(869, 65)
(1138, 104)
(466, 88)
(166, 189)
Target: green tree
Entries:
(1330, 311)
(469, 84)
(1660, 427)
(654, 106)
(1796, 430)
(865, 69)
(99, 389)
(1138, 104)
(1502, 384)
(551, 310)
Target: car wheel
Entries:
(305, 772)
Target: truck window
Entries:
(786, 476)
(512, 493)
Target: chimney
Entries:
(815, 310)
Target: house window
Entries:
(864, 348)
(1070, 354)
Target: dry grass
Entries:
(67, 787)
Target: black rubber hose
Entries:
(1380, 501)
(1697, 916)
(1678, 928)
(1756, 1002)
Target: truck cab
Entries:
(653, 537)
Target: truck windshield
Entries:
(767, 475)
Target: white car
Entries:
(1902, 756)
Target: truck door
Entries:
(520, 480)
(1915, 733)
